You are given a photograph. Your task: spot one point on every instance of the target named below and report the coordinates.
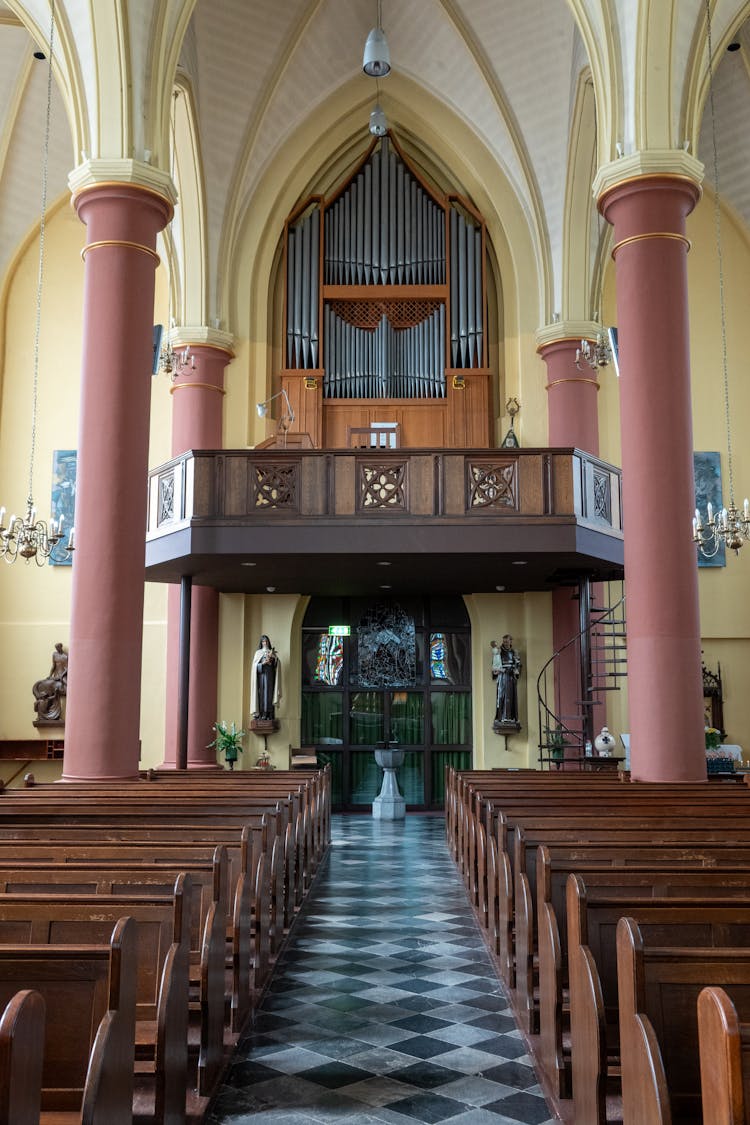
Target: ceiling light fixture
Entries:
(376, 61)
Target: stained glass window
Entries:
(322, 659)
(330, 662)
(387, 648)
(449, 658)
(437, 657)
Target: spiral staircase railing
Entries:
(599, 649)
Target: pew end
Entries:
(724, 1044)
(21, 1057)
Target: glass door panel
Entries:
(366, 718)
(411, 777)
(366, 779)
(407, 718)
(451, 718)
(334, 758)
(322, 718)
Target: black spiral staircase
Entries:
(598, 651)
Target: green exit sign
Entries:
(339, 630)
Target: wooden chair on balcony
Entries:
(378, 435)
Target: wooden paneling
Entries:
(496, 483)
(306, 401)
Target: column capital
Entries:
(131, 173)
(201, 336)
(564, 331)
(658, 163)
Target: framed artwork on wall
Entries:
(64, 465)
(707, 468)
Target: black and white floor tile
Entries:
(384, 1006)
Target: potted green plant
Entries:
(228, 742)
(557, 745)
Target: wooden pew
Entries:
(21, 1037)
(89, 994)
(592, 961)
(689, 844)
(150, 842)
(724, 1044)
(208, 937)
(644, 879)
(193, 817)
(658, 992)
(162, 962)
(308, 802)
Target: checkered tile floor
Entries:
(384, 1005)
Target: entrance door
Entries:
(401, 676)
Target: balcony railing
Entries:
(264, 487)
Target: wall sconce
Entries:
(287, 418)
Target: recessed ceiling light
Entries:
(519, 562)
(248, 564)
(734, 47)
(383, 562)
(271, 589)
(500, 588)
(385, 587)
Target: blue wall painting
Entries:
(64, 463)
(707, 467)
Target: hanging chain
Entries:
(717, 227)
(40, 277)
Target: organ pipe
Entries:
(385, 228)
(370, 223)
(303, 290)
(466, 318)
(384, 362)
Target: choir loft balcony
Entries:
(354, 521)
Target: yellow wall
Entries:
(35, 601)
(724, 592)
(242, 621)
(527, 618)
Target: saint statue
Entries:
(49, 692)
(506, 668)
(265, 680)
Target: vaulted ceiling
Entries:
(264, 74)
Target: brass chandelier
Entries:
(729, 527)
(27, 537)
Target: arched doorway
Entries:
(378, 670)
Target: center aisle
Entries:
(385, 1005)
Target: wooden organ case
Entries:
(385, 313)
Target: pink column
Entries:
(661, 576)
(572, 420)
(196, 424)
(571, 397)
(106, 629)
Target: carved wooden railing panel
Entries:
(492, 484)
(257, 486)
(383, 486)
